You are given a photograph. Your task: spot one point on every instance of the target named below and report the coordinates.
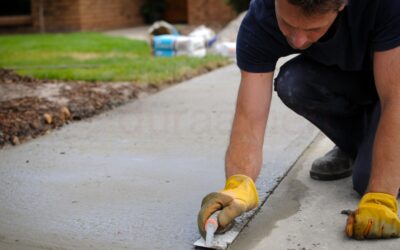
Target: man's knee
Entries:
(289, 83)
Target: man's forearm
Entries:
(385, 174)
(244, 154)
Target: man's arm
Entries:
(244, 154)
(376, 216)
(385, 175)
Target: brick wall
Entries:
(78, 15)
(209, 12)
(60, 15)
(110, 14)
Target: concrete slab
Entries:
(133, 178)
(305, 214)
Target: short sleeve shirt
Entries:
(364, 26)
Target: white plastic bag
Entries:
(206, 33)
(225, 49)
(187, 43)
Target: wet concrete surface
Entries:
(134, 177)
(304, 214)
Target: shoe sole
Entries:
(329, 177)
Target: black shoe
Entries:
(333, 166)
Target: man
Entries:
(346, 81)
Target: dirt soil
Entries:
(30, 107)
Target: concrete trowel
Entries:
(216, 241)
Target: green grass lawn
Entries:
(95, 57)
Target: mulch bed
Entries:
(28, 111)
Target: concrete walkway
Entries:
(134, 177)
(136, 33)
(305, 214)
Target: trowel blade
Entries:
(221, 241)
(202, 243)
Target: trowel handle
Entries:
(212, 222)
(211, 228)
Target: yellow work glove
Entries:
(376, 217)
(239, 196)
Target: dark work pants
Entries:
(343, 105)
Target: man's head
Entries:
(304, 22)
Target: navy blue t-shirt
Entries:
(364, 26)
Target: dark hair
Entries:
(318, 6)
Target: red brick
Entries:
(209, 12)
(77, 15)
(74, 15)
